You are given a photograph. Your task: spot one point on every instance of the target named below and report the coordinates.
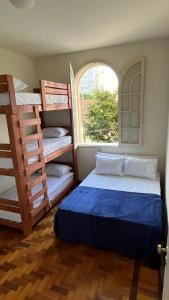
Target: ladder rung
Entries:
(34, 167)
(3, 78)
(32, 137)
(34, 182)
(37, 195)
(5, 154)
(9, 202)
(54, 91)
(32, 153)
(10, 208)
(5, 147)
(30, 122)
(7, 172)
(36, 210)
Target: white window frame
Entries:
(125, 76)
(79, 123)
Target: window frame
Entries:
(78, 76)
(124, 74)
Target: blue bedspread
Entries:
(130, 223)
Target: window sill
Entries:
(105, 145)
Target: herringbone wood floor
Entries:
(43, 267)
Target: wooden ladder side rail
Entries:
(18, 162)
(38, 165)
(42, 92)
(7, 85)
(74, 153)
(41, 155)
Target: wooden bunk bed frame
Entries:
(17, 151)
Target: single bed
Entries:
(55, 186)
(50, 145)
(33, 99)
(122, 214)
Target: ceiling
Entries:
(59, 26)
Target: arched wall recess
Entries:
(131, 94)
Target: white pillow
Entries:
(19, 85)
(54, 132)
(142, 157)
(109, 165)
(57, 169)
(110, 154)
(141, 167)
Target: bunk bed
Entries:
(26, 155)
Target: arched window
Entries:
(97, 99)
(131, 93)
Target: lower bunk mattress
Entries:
(55, 186)
(123, 214)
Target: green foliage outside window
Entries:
(101, 121)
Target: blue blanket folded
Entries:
(130, 223)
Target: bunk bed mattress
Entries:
(50, 145)
(55, 186)
(122, 214)
(33, 99)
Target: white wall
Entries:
(166, 274)
(21, 67)
(156, 91)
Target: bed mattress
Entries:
(55, 186)
(122, 214)
(123, 183)
(50, 145)
(32, 98)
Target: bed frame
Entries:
(16, 150)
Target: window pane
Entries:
(125, 135)
(98, 105)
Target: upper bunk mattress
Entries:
(32, 99)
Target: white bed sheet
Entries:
(50, 145)
(123, 183)
(32, 98)
(55, 186)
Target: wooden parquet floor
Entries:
(43, 267)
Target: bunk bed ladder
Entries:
(16, 155)
(39, 165)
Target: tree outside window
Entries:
(99, 105)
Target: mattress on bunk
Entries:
(33, 99)
(123, 214)
(55, 186)
(50, 145)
